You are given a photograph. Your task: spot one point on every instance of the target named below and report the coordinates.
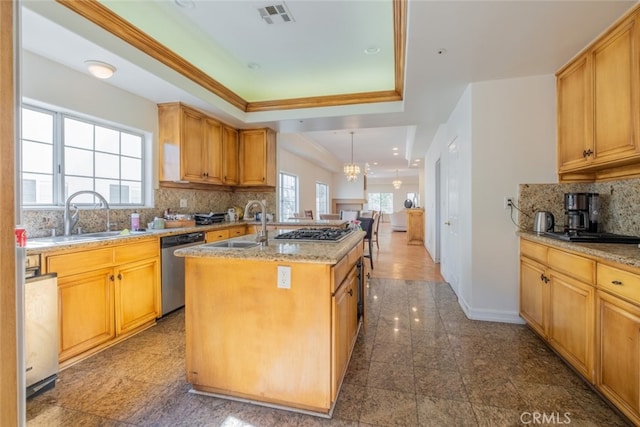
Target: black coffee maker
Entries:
(581, 211)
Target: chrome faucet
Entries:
(262, 237)
(70, 221)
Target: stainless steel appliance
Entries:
(315, 234)
(173, 269)
(544, 221)
(581, 212)
(41, 332)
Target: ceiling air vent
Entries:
(276, 14)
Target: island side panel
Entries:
(248, 338)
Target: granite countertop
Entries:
(628, 254)
(44, 245)
(279, 250)
(306, 222)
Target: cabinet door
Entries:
(616, 75)
(575, 118)
(571, 321)
(415, 227)
(85, 310)
(533, 294)
(193, 147)
(137, 293)
(345, 326)
(213, 159)
(257, 157)
(230, 149)
(618, 376)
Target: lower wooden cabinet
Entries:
(618, 375)
(415, 226)
(345, 325)
(558, 307)
(105, 294)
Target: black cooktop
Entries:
(315, 234)
(586, 237)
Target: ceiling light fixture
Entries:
(351, 170)
(372, 50)
(100, 69)
(396, 182)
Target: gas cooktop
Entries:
(586, 237)
(315, 234)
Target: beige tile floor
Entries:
(420, 362)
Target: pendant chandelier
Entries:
(351, 170)
(396, 182)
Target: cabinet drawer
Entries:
(237, 231)
(575, 266)
(213, 236)
(80, 262)
(137, 251)
(533, 251)
(354, 255)
(619, 282)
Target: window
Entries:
(322, 199)
(288, 195)
(382, 202)
(63, 154)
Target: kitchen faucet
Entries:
(262, 237)
(70, 221)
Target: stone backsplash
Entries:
(619, 201)
(40, 222)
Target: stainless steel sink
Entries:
(230, 244)
(87, 237)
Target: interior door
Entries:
(450, 215)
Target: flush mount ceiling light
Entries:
(372, 50)
(396, 182)
(100, 69)
(351, 170)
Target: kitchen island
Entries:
(274, 325)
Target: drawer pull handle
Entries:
(616, 282)
(350, 292)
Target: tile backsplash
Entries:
(619, 201)
(40, 222)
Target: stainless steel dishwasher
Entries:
(173, 269)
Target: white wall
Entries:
(308, 174)
(511, 141)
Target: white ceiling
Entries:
(484, 40)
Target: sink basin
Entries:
(57, 240)
(230, 244)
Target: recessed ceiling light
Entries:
(395, 148)
(395, 154)
(441, 51)
(100, 69)
(375, 163)
(187, 4)
(372, 50)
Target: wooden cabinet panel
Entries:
(137, 294)
(581, 268)
(618, 376)
(533, 295)
(345, 323)
(619, 282)
(571, 321)
(231, 167)
(213, 160)
(239, 230)
(615, 102)
(533, 251)
(215, 235)
(415, 226)
(192, 147)
(257, 157)
(85, 310)
(137, 251)
(574, 109)
(79, 262)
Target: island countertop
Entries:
(304, 222)
(279, 250)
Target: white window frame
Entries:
(322, 208)
(283, 212)
(59, 177)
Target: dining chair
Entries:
(376, 225)
(367, 226)
(349, 215)
(308, 214)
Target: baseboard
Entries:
(490, 315)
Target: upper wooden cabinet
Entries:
(257, 158)
(598, 97)
(195, 147)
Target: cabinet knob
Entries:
(587, 153)
(616, 282)
(119, 276)
(350, 292)
(111, 278)
(447, 223)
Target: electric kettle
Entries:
(543, 222)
